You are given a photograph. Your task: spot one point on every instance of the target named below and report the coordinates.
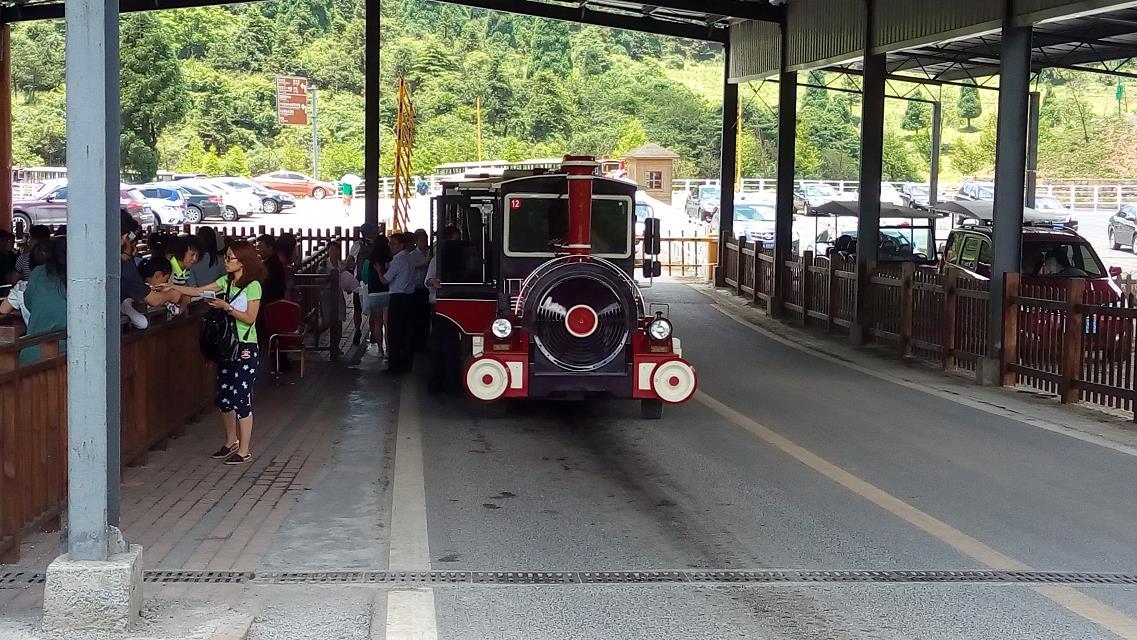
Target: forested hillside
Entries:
(198, 95)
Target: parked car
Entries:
(1122, 229)
(971, 190)
(643, 212)
(1049, 203)
(755, 222)
(49, 205)
(915, 195)
(889, 194)
(169, 204)
(815, 195)
(200, 204)
(296, 184)
(896, 245)
(703, 203)
(1049, 256)
(237, 203)
(272, 201)
(969, 250)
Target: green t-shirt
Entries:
(346, 189)
(46, 301)
(245, 332)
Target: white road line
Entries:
(410, 546)
(981, 406)
(410, 614)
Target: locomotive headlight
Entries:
(659, 329)
(502, 328)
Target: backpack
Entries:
(218, 335)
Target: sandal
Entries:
(236, 458)
(224, 452)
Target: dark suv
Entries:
(1047, 253)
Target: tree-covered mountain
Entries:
(198, 94)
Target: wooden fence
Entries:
(920, 313)
(685, 256)
(33, 415)
(1072, 341)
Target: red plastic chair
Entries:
(283, 321)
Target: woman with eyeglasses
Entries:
(238, 293)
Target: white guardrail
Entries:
(1076, 194)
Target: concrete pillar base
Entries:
(989, 372)
(84, 594)
(858, 335)
(776, 308)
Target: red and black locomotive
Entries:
(536, 273)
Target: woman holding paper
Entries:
(238, 293)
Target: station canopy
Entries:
(1096, 43)
(702, 20)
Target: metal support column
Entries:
(934, 173)
(6, 125)
(784, 204)
(728, 164)
(1032, 148)
(93, 332)
(872, 154)
(1010, 180)
(371, 112)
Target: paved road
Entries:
(786, 461)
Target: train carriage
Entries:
(537, 274)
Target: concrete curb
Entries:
(238, 630)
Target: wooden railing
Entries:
(923, 314)
(33, 415)
(685, 256)
(1070, 340)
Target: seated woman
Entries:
(45, 298)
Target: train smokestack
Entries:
(580, 171)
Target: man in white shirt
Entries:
(400, 277)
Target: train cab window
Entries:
(536, 226)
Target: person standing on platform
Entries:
(238, 293)
(348, 193)
(357, 262)
(420, 256)
(400, 315)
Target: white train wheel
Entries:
(487, 379)
(674, 381)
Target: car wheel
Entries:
(21, 220)
(194, 215)
(268, 205)
(230, 214)
(1113, 244)
(319, 193)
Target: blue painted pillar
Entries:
(93, 330)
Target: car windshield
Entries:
(706, 193)
(1069, 259)
(753, 213)
(1047, 203)
(986, 193)
(918, 190)
(644, 211)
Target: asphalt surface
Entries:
(592, 487)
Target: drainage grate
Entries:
(714, 577)
(212, 577)
(18, 579)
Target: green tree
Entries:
(153, 92)
(969, 105)
(211, 163)
(39, 47)
(898, 163)
(551, 49)
(968, 159)
(917, 116)
(632, 135)
(235, 162)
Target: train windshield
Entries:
(537, 225)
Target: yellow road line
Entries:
(1071, 599)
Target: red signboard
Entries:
(291, 100)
